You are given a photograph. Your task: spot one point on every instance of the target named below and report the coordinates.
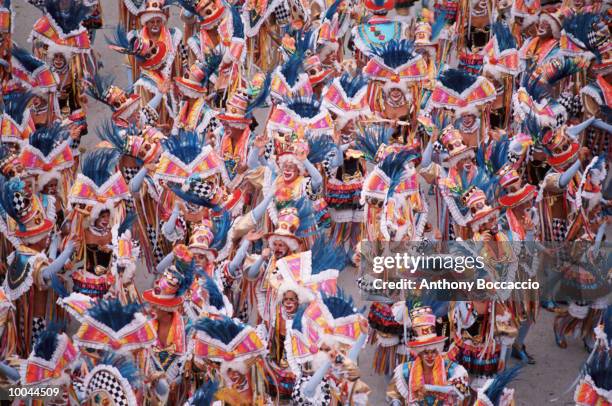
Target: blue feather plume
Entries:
(109, 132)
(329, 14)
(112, 313)
(395, 53)
(562, 68)
(46, 138)
(9, 188)
(580, 26)
(394, 166)
(26, 59)
(100, 164)
(98, 85)
(495, 390)
(237, 23)
(438, 25)
(192, 199)
(16, 104)
(127, 222)
(304, 106)
(46, 342)
(205, 395)
(224, 329)
(185, 145)
(340, 304)
(371, 138)
(186, 275)
(212, 61)
(296, 323)
(319, 147)
(122, 43)
(308, 219)
(505, 39)
(352, 85)
(68, 19)
(457, 79)
(222, 224)
(328, 255)
(292, 68)
(215, 297)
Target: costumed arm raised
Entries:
(10, 372)
(578, 128)
(138, 179)
(315, 176)
(567, 176)
(238, 259)
(59, 262)
(315, 379)
(170, 225)
(164, 263)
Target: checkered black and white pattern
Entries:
(559, 229)
(438, 147)
(105, 381)
(269, 149)
(157, 251)
(21, 203)
(203, 190)
(298, 398)
(129, 173)
(38, 325)
(282, 13)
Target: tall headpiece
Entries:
(301, 115)
(152, 9)
(501, 53)
(62, 29)
(34, 74)
(462, 92)
(346, 97)
(396, 65)
(111, 326)
(17, 122)
(169, 289)
(47, 154)
(149, 54)
(584, 34)
(146, 147)
(53, 354)
(210, 12)
(26, 209)
(99, 185)
(423, 322)
(226, 341)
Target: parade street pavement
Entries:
(536, 385)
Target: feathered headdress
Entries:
(177, 279)
(17, 123)
(300, 115)
(149, 54)
(391, 176)
(109, 325)
(462, 92)
(186, 154)
(289, 79)
(346, 97)
(320, 147)
(583, 35)
(226, 341)
(123, 105)
(52, 355)
(371, 139)
(61, 29)
(47, 154)
(99, 185)
(25, 209)
(501, 53)
(34, 74)
(396, 64)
